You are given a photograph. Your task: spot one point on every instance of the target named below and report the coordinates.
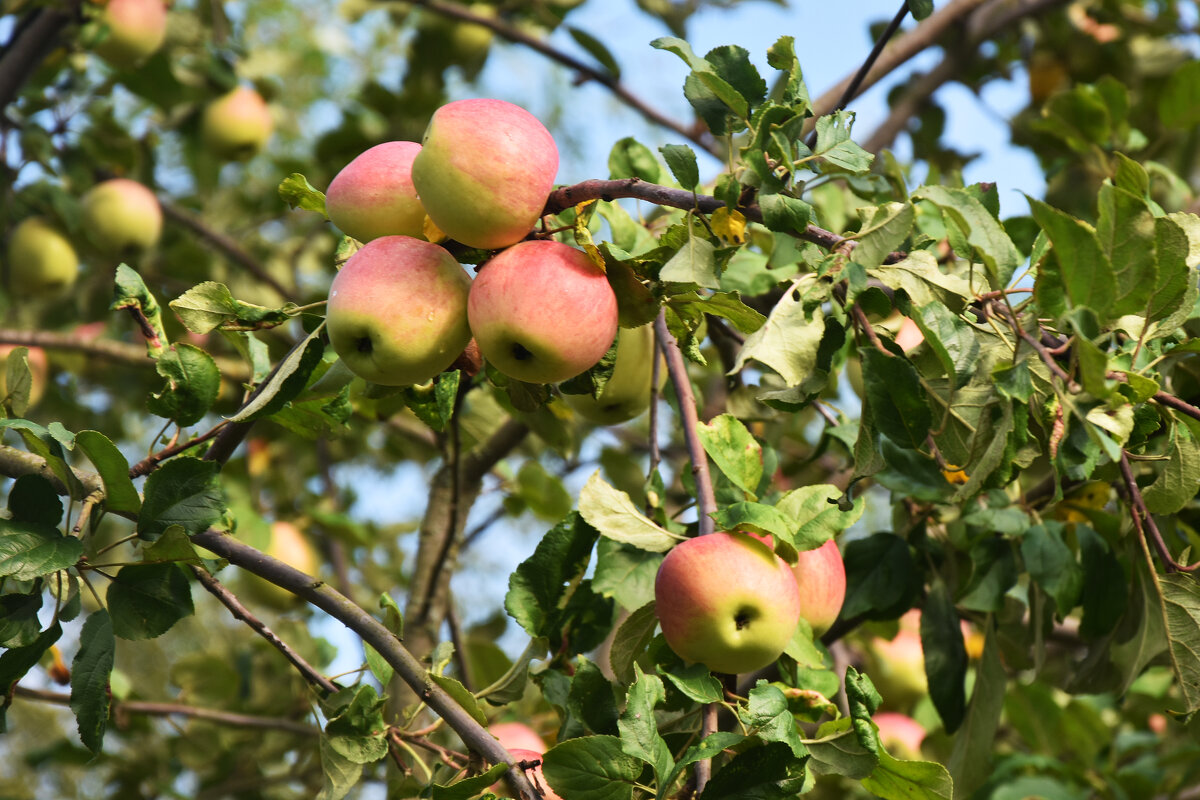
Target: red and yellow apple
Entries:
(897, 665)
(237, 124)
(627, 393)
(517, 736)
(41, 260)
(542, 312)
(900, 734)
(132, 30)
(374, 195)
(122, 215)
(726, 601)
(289, 545)
(821, 577)
(397, 311)
(484, 171)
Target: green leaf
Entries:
(1076, 265)
(952, 340)
(818, 513)
(612, 513)
(119, 493)
(193, 383)
(356, 729)
(130, 293)
(468, 788)
(1181, 606)
(681, 160)
(789, 341)
(16, 661)
(923, 281)
(32, 499)
(734, 450)
(909, 780)
(835, 146)
(694, 264)
(596, 49)
(883, 229)
(837, 750)
(768, 717)
(1126, 231)
(591, 768)
(755, 517)
(18, 382)
(541, 585)
(340, 773)
(210, 305)
(542, 492)
(19, 624)
(945, 655)
(625, 573)
(47, 443)
(880, 575)
(1179, 102)
(1052, 565)
(897, 400)
(782, 56)
(184, 491)
(1177, 484)
(297, 192)
(770, 772)
(639, 729)
(630, 158)
(630, 640)
(461, 695)
(90, 669)
(708, 748)
(920, 9)
(289, 379)
(695, 681)
(146, 600)
(785, 214)
(984, 233)
(970, 758)
(29, 550)
(720, 304)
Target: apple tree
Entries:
(835, 355)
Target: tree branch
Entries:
(1144, 521)
(121, 352)
(32, 41)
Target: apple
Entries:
(397, 311)
(291, 547)
(627, 393)
(237, 124)
(374, 196)
(133, 30)
(484, 171)
(909, 335)
(121, 216)
(39, 370)
(517, 736)
(41, 260)
(542, 312)
(900, 734)
(534, 774)
(821, 576)
(727, 601)
(897, 665)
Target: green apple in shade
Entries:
(41, 260)
(900, 734)
(122, 216)
(821, 576)
(132, 30)
(534, 774)
(725, 600)
(289, 545)
(542, 312)
(237, 124)
(484, 171)
(627, 393)
(397, 311)
(517, 735)
(374, 195)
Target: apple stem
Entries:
(677, 369)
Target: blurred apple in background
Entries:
(131, 30)
(900, 734)
(121, 216)
(41, 260)
(517, 735)
(237, 124)
(627, 393)
(291, 546)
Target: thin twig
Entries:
(151, 462)
(1143, 520)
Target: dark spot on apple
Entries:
(744, 617)
(363, 344)
(520, 353)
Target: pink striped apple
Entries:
(132, 31)
(374, 195)
(821, 576)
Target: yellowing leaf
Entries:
(954, 475)
(729, 224)
(583, 236)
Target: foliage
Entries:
(1025, 476)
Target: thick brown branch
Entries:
(33, 40)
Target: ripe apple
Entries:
(534, 774)
(237, 124)
(627, 393)
(821, 576)
(397, 311)
(41, 260)
(909, 335)
(517, 736)
(542, 312)
(374, 196)
(39, 370)
(484, 171)
(727, 601)
(121, 215)
(291, 547)
(897, 665)
(133, 30)
(900, 734)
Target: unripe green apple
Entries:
(484, 171)
(374, 196)
(237, 124)
(121, 215)
(542, 312)
(727, 601)
(900, 734)
(821, 577)
(627, 393)
(291, 547)
(41, 260)
(39, 371)
(133, 30)
(397, 311)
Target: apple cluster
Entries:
(727, 601)
(402, 309)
